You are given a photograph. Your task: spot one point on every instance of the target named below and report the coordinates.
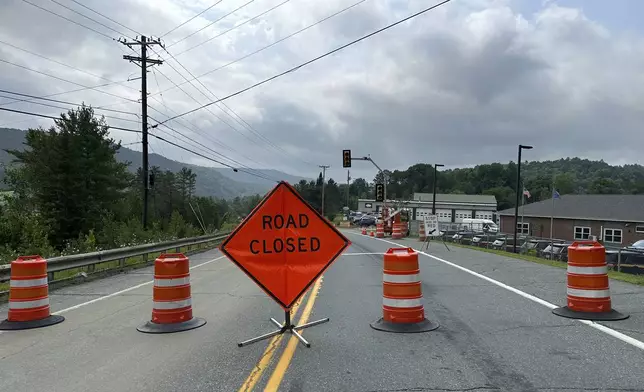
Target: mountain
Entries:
(216, 182)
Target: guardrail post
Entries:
(619, 260)
(122, 262)
(50, 276)
(145, 258)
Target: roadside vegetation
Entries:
(68, 194)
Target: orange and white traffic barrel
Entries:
(402, 296)
(380, 230)
(172, 300)
(29, 295)
(404, 228)
(588, 293)
(364, 231)
(396, 232)
(422, 236)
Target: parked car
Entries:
(367, 220)
(558, 251)
(632, 254)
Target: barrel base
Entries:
(613, 315)
(150, 327)
(423, 326)
(17, 325)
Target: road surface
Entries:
(497, 333)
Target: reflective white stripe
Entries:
(589, 293)
(172, 282)
(28, 304)
(28, 282)
(165, 305)
(389, 278)
(587, 270)
(401, 303)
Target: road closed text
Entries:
(289, 244)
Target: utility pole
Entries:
(323, 167)
(143, 61)
(348, 185)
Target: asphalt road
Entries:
(493, 335)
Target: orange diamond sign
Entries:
(284, 245)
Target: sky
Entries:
(461, 85)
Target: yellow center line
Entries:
(265, 360)
(280, 370)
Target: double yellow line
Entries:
(282, 365)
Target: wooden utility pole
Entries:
(143, 61)
(323, 184)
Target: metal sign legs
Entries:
(286, 327)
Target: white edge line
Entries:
(126, 290)
(600, 327)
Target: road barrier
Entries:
(422, 236)
(371, 233)
(172, 301)
(29, 295)
(402, 307)
(588, 293)
(396, 232)
(380, 230)
(364, 231)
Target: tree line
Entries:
(68, 194)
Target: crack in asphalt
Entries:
(533, 327)
(420, 389)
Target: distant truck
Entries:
(481, 225)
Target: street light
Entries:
(516, 206)
(436, 166)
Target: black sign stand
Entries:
(287, 326)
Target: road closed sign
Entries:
(284, 245)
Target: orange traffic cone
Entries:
(172, 301)
(371, 233)
(29, 295)
(402, 307)
(588, 294)
(364, 231)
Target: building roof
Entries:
(617, 208)
(456, 198)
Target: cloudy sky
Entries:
(461, 85)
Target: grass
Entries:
(624, 277)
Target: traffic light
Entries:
(380, 192)
(346, 158)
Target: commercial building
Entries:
(449, 207)
(612, 219)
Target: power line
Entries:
(74, 91)
(279, 40)
(58, 118)
(210, 24)
(67, 108)
(58, 101)
(70, 20)
(87, 17)
(106, 17)
(234, 27)
(64, 80)
(189, 20)
(310, 61)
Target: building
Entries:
(613, 219)
(449, 208)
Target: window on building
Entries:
(613, 235)
(639, 229)
(523, 228)
(582, 233)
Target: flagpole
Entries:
(552, 216)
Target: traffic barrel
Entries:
(371, 233)
(588, 293)
(380, 230)
(422, 236)
(404, 228)
(396, 232)
(172, 300)
(29, 295)
(364, 231)
(402, 307)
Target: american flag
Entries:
(526, 193)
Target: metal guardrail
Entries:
(63, 263)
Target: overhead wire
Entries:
(74, 91)
(58, 118)
(278, 41)
(190, 20)
(59, 101)
(106, 17)
(234, 27)
(87, 17)
(211, 23)
(311, 61)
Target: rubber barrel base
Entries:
(17, 325)
(613, 315)
(151, 327)
(423, 326)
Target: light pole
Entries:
(323, 167)
(516, 206)
(436, 166)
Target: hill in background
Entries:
(216, 182)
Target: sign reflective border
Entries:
(284, 245)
